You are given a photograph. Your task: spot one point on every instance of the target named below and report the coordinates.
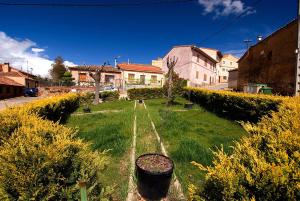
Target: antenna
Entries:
(116, 60)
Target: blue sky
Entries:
(140, 33)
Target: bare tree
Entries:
(171, 64)
(97, 78)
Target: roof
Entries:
(107, 69)
(204, 53)
(10, 82)
(12, 74)
(271, 35)
(140, 68)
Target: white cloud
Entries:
(225, 7)
(37, 50)
(23, 53)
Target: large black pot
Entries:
(153, 185)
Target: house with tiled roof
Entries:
(13, 81)
(109, 75)
(141, 75)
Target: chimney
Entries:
(6, 68)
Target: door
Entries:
(142, 79)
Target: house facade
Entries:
(9, 88)
(141, 75)
(272, 61)
(233, 79)
(109, 75)
(227, 63)
(26, 79)
(194, 65)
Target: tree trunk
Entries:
(97, 84)
(170, 98)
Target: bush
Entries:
(145, 93)
(42, 160)
(110, 95)
(55, 108)
(235, 106)
(263, 166)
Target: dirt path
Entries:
(146, 139)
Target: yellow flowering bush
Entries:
(42, 160)
(263, 166)
(232, 105)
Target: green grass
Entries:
(191, 135)
(113, 132)
(188, 135)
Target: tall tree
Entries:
(58, 69)
(96, 75)
(171, 63)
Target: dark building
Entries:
(9, 88)
(272, 61)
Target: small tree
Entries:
(58, 69)
(67, 78)
(97, 78)
(170, 64)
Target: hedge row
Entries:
(263, 166)
(42, 160)
(110, 95)
(232, 105)
(145, 93)
(55, 108)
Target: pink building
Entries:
(194, 65)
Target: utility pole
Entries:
(247, 41)
(297, 71)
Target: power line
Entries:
(116, 4)
(230, 23)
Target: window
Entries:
(153, 78)
(205, 77)
(82, 77)
(223, 69)
(1, 90)
(198, 58)
(205, 64)
(131, 77)
(270, 55)
(224, 62)
(230, 63)
(224, 77)
(109, 78)
(197, 74)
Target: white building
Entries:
(228, 63)
(141, 75)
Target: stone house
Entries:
(272, 61)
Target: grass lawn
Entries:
(188, 135)
(109, 131)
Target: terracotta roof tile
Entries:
(140, 68)
(12, 74)
(107, 69)
(7, 81)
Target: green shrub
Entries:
(232, 105)
(42, 160)
(262, 166)
(145, 93)
(110, 95)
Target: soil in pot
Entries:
(154, 174)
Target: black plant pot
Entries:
(153, 185)
(86, 110)
(188, 105)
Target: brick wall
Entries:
(272, 61)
